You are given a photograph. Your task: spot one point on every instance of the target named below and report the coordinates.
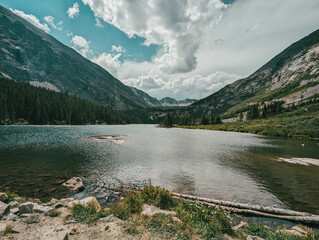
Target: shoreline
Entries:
(148, 213)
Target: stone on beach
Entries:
(3, 197)
(4, 209)
(74, 184)
(110, 218)
(150, 210)
(30, 207)
(89, 201)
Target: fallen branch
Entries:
(240, 208)
(255, 210)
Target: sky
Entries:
(174, 48)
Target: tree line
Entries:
(21, 102)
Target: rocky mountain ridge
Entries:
(28, 54)
(291, 76)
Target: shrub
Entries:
(53, 213)
(87, 214)
(157, 196)
(208, 222)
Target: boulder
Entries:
(3, 227)
(60, 235)
(74, 184)
(41, 209)
(13, 203)
(67, 202)
(110, 218)
(150, 210)
(3, 197)
(4, 209)
(11, 217)
(19, 228)
(177, 220)
(89, 201)
(30, 207)
(26, 207)
(14, 210)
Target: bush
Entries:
(87, 214)
(53, 213)
(157, 196)
(208, 222)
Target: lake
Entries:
(240, 167)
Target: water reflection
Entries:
(230, 166)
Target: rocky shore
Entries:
(149, 214)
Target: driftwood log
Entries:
(256, 210)
(240, 208)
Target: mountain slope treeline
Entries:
(35, 105)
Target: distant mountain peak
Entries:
(171, 102)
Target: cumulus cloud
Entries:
(50, 21)
(203, 44)
(118, 49)
(177, 26)
(81, 45)
(109, 62)
(98, 23)
(181, 87)
(32, 19)
(74, 11)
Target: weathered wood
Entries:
(300, 217)
(241, 208)
(259, 208)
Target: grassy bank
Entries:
(190, 220)
(294, 126)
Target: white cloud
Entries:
(74, 11)
(181, 87)
(81, 45)
(32, 19)
(204, 44)
(50, 21)
(118, 49)
(177, 26)
(109, 62)
(98, 23)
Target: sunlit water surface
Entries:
(34, 160)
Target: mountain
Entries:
(290, 77)
(27, 54)
(171, 102)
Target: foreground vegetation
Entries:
(192, 220)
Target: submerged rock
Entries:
(74, 184)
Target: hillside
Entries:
(22, 103)
(27, 54)
(291, 76)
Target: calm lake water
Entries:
(34, 160)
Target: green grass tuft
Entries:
(87, 214)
